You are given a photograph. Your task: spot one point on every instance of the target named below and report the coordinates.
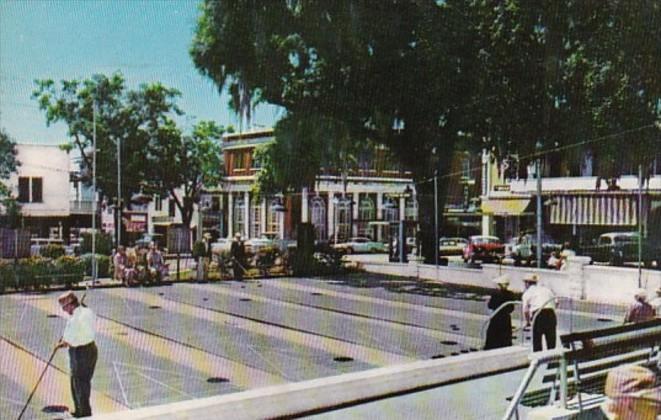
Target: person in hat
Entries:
(640, 310)
(78, 337)
(158, 269)
(656, 302)
(539, 305)
(238, 252)
(632, 394)
(499, 332)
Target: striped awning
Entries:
(607, 209)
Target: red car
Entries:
(484, 248)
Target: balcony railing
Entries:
(81, 206)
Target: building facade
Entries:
(577, 206)
(360, 202)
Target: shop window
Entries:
(318, 217)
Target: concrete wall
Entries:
(579, 281)
(325, 394)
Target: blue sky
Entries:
(145, 40)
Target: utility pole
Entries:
(436, 217)
(119, 193)
(94, 268)
(538, 173)
(640, 226)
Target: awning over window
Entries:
(506, 206)
(595, 209)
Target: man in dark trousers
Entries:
(499, 332)
(238, 252)
(540, 301)
(78, 337)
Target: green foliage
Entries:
(142, 122)
(52, 251)
(12, 212)
(103, 244)
(199, 249)
(7, 278)
(68, 270)
(8, 162)
(102, 263)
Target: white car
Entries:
(360, 244)
(221, 245)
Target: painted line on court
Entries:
(291, 334)
(205, 362)
(379, 322)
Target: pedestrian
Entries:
(656, 302)
(640, 310)
(238, 252)
(539, 304)
(632, 394)
(78, 337)
(499, 331)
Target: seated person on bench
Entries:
(123, 271)
(158, 270)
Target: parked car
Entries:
(148, 238)
(617, 248)
(451, 246)
(253, 245)
(38, 244)
(484, 248)
(360, 244)
(524, 248)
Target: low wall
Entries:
(580, 281)
(326, 394)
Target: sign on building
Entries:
(179, 240)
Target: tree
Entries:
(8, 161)
(422, 77)
(156, 156)
(576, 77)
(186, 163)
(384, 72)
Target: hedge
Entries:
(36, 273)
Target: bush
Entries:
(33, 273)
(68, 270)
(103, 243)
(52, 251)
(6, 276)
(102, 263)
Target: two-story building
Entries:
(359, 202)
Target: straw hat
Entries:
(66, 298)
(532, 278)
(631, 385)
(641, 294)
(504, 279)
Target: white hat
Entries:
(504, 279)
(641, 294)
(533, 278)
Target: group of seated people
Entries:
(139, 266)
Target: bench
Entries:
(575, 374)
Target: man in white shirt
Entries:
(540, 301)
(79, 338)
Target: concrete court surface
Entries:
(173, 343)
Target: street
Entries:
(189, 340)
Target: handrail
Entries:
(536, 360)
(494, 313)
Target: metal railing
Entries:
(81, 206)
